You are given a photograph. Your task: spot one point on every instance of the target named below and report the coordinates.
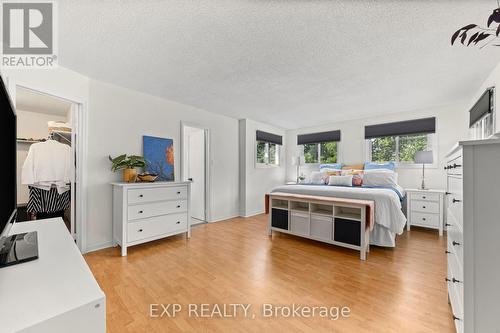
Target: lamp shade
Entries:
(424, 157)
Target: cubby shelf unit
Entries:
(337, 221)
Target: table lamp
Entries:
(424, 157)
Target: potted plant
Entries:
(128, 164)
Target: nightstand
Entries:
(425, 208)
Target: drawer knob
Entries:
(455, 280)
(178, 192)
(447, 280)
(447, 225)
(423, 206)
(456, 200)
(423, 218)
(455, 243)
(424, 197)
(447, 193)
(140, 230)
(140, 212)
(456, 318)
(447, 252)
(178, 222)
(178, 206)
(456, 165)
(141, 196)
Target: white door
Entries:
(196, 172)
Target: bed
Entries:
(389, 218)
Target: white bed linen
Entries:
(388, 214)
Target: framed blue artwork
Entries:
(159, 156)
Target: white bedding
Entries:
(388, 212)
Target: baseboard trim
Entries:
(98, 247)
(224, 218)
(254, 214)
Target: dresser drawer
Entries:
(156, 209)
(455, 241)
(456, 285)
(455, 186)
(455, 209)
(456, 306)
(425, 196)
(143, 195)
(156, 226)
(424, 206)
(425, 219)
(454, 166)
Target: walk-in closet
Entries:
(45, 157)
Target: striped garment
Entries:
(43, 201)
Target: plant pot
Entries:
(129, 175)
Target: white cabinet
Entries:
(473, 228)
(144, 212)
(425, 208)
(56, 293)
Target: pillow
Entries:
(380, 179)
(316, 178)
(326, 173)
(353, 167)
(352, 172)
(336, 166)
(357, 180)
(340, 180)
(388, 165)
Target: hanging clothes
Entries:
(50, 202)
(48, 164)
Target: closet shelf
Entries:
(29, 141)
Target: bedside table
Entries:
(425, 208)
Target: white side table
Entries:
(425, 208)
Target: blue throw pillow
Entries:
(337, 166)
(373, 166)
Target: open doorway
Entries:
(195, 169)
(46, 157)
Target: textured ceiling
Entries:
(289, 63)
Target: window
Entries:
(325, 152)
(267, 153)
(482, 116)
(399, 148)
(483, 128)
(319, 147)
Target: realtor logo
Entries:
(28, 34)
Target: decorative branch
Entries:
(479, 33)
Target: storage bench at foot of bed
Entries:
(337, 221)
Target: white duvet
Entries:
(387, 203)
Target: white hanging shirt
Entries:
(48, 163)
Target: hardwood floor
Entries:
(395, 290)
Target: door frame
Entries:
(81, 148)
(208, 177)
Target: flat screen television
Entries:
(19, 248)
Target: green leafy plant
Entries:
(127, 162)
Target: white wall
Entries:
(451, 125)
(120, 117)
(256, 181)
(30, 125)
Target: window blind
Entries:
(417, 126)
(303, 139)
(269, 137)
(481, 108)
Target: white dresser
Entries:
(425, 209)
(143, 212)
(473, 224)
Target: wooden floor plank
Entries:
(234, 261)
